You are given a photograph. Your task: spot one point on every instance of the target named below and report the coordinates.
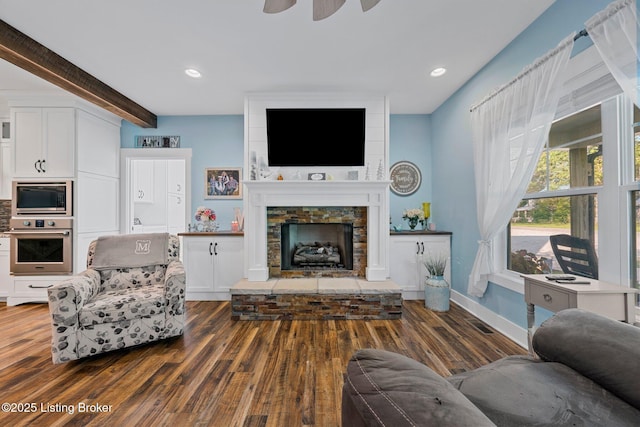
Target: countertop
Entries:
(418, 232)
(212, 233)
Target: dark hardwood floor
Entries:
(223, 372)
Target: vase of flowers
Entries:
(436, 289)
(414, 216)
(207, 217)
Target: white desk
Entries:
(607, 299)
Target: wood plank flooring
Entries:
(223, 372)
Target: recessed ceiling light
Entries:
(437, 72)
(192, 72)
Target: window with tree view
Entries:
(562, 196)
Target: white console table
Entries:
(607, 299)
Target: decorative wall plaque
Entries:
(405, 178)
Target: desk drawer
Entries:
(551, 299)
(28, 287)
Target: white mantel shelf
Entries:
(262, 194)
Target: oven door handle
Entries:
(63, 232)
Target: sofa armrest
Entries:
(604, 350)
(175, 288)
(66, 299)
(385, 388)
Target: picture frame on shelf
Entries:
(223, 183)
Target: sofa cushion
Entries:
(521, 391)
(602, 349)
(384, 388)
(124, 304)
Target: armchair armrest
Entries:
(66, 299)
(175, 288)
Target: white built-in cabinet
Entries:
(213, 263)
(143, 180)
(6, 281)
(6, 175)
(71, 140)
(407, 252)
(44, 142)
(155, 194)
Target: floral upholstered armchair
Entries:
(132, 293)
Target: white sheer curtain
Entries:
(614, 32)
(509, 129)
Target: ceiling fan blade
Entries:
(325, 8)
(368, 4)
(275, 6)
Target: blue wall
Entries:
(218, 141)
(215, 141)
(452, 158)
(439, 144)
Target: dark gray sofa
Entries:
(587, 374)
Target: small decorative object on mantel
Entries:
(317, 176)
(413, 216)
(426, 208)
(157, 141)
(206, 218)
(436, 289)
(405, 178)
(380, 172)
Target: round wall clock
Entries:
(405, 178)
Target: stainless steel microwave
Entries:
(42, 198)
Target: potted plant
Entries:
(436, 288)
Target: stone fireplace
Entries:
(318, 241)
(270, 204)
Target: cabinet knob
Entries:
(215, 249)
(418, 245)
(547, 297)
(42, 166)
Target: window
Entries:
(559, 199)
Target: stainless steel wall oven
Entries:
(41, 246)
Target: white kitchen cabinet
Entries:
(176, 178)
(32, 288)
(176, 217)
(6, 281)
(43, 142)
(6, 175)
(143, 180)
(407, 252)
(213, 263)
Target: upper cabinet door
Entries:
(27, 141)
(60, 139)
(44, 142)
(176, 176)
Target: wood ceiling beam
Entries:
(21, 50)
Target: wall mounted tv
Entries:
(316, 136)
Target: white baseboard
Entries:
(502, 325)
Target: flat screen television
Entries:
(315, 136)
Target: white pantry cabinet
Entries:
(43, 142)
(408, 250)
(6, 281)
(213, 263)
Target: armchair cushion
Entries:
(126, 304)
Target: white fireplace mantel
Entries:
(262, 194)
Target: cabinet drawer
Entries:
(551, 299)
(32, 287)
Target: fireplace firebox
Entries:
(316, 246)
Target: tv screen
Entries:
(315, 136)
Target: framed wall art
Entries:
(223, 183)
(405, 178)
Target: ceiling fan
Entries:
(321, 8)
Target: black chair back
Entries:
(575, 255)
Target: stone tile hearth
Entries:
(316, 299)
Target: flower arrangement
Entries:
(435, 264)
(413, 216)
(205, 214)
